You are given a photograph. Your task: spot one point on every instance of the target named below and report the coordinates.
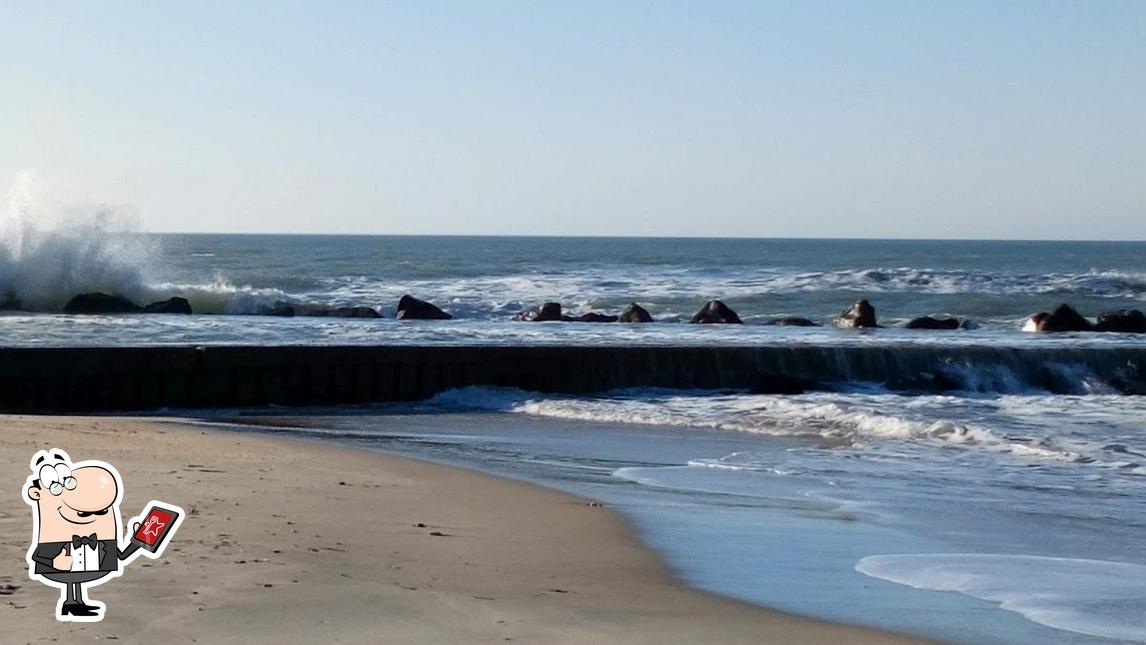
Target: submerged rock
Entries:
(174, 305)
(550, 311)
(926, 383)
(861, 314)
(716, 313)
(635, 314)
(101, 303)
(929, 322)
(1129, 380)
(1129, 321)
(356, 312)
(591, 317)
(345, 312)
(792, 321)
(1064, 318)
(769, 383)
(411, 308)
(281, 309)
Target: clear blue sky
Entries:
(841, 119)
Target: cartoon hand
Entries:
(63, 561)
(135, 529)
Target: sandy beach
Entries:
(291, 541)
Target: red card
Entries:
(154, 526)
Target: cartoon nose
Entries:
(95, 489)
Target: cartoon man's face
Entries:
(75, 502)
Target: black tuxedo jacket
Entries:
(108, 550)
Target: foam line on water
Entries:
(1093, 597)
(842, 420)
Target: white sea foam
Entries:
(1093, 597)
(673, 293)
(222, 297)
(839, 419)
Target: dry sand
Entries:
(291, 541)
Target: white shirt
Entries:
(85, 558)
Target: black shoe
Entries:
(78, 609)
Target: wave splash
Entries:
(47, 258)
(44, 264)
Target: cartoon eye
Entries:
(65, 473)
(56, 488)
(48, 476)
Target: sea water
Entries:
(1003, 511)
(972, 518)
(484, 281)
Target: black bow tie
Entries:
(84, 540)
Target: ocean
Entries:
(486, 280)
(1009, 509)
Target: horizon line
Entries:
(652, 237)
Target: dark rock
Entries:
(635, 314)
(410, 308)
(591, 317)
(928, 322)
(345, 312)
(1130, 380)
(547, 312)
(968, 324)
(281, 309)
(356, 312)
(170, 306)
(792, 321)
(101, 303)
(926, 383)
(1063, 318)
(10, 302)
(861, 314)
(1130, 321)
(716, 312)
(768, 383)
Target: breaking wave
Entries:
(223, 297)
(1106, 284)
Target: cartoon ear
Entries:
(33, 493)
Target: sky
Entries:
(1016, 120)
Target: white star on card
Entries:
(152, 527)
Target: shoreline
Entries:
(514, 561)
